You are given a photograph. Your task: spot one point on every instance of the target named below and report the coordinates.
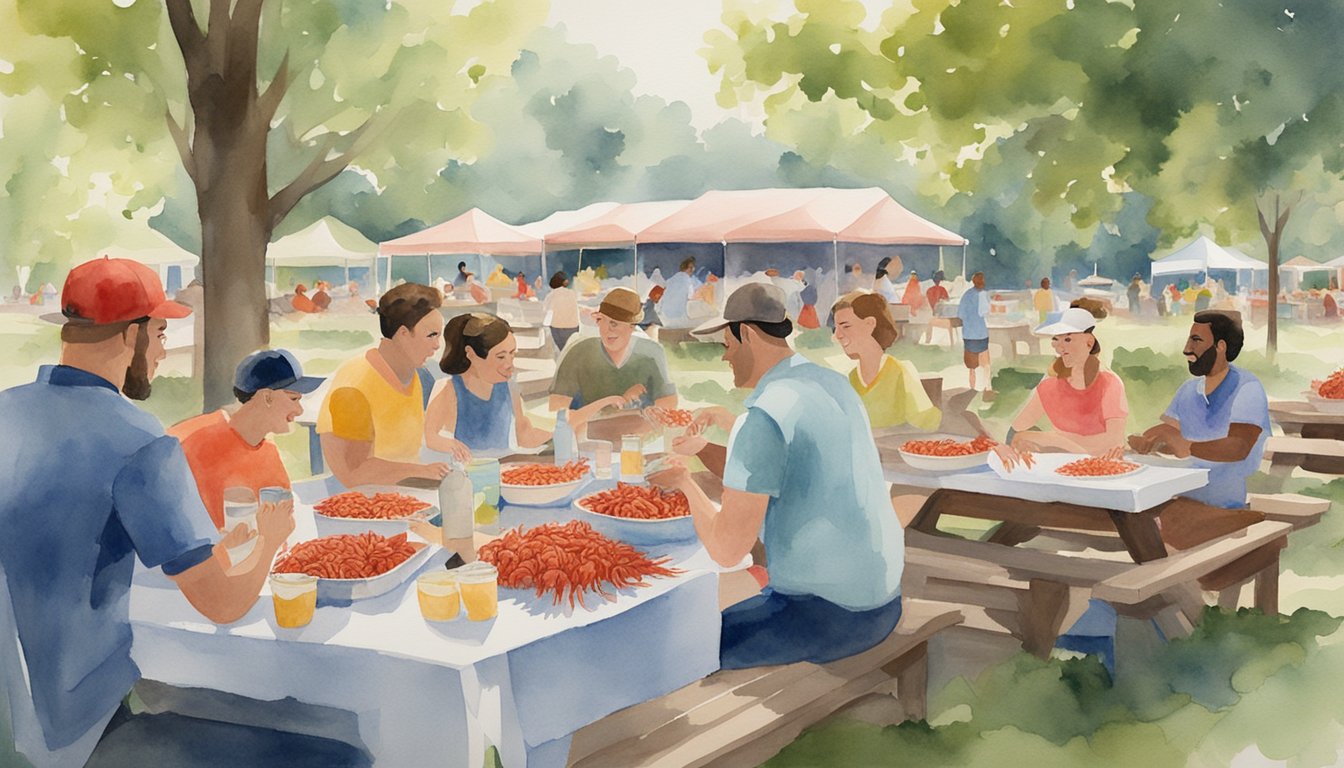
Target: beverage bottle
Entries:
(458, 514)
(565, 443)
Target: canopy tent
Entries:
(327, 242)
(1202, 255)
(616, 228)
(563, 220)
(153, 248)
(472, 232)
(1094, 280)
(1297, 268)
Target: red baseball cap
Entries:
(108, 290)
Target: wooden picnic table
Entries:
(1034, 592)
(1319, 446)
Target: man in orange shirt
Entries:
(227, 450)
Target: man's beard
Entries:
(1203, 365)
(136, 385)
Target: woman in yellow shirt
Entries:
(889, 388)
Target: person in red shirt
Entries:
(227, 450)
(301, 302)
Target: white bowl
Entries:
(328, 524)
(639, 532)
(539, 495)
(945, 463)
(1325, 404)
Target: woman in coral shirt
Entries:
(1083, 404)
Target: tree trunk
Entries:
(234, 235)
(1273, 235)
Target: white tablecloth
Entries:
(1144, 490)
(440, 693)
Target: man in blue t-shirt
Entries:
(91, 483)
(800, 471)
(972, 311)
(1220, 419)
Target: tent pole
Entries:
(429, 271)
(835, 259)
(637, 272)
(543, 261)
(963, 261)
(940, 258)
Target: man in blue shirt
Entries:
(677, 296)
(972, 311)
(91, 482)
(801, 471)
(1220, 419)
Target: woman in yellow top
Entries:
(1043, 300)
(889, 388)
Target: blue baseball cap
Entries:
(273, 369)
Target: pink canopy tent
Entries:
(473, 232)
(617, 227)
(714, 214)
(819, 219)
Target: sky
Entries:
(659, 40)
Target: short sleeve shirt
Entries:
(586, 374)
(1239, 399)
(364, 406)
(94, 484)
(896, 396)
(220, 458)
(829, 529)
(972, 310)
(1083, 411)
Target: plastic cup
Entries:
(479, 585)
(274, 494)
(295, 598)
(240, 506)
(439, 595)
(632, 459)
(484, 475)
(600, 453)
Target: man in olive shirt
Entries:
(614, 368)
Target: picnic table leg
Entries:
(1138, 530)
(926, 519)
(1041, 609)
(1012, 534)
(911, 671)
(1267, 589)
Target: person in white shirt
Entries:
(562, 311)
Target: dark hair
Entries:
(559, 279)
(242, 396)
(687, 262)
(479, 331)
(461, 265)
(1045, 281)
(406, 305)
(1226, 327)
(780, 330)
(80, 331)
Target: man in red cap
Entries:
(94, 485)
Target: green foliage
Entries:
(1242, 668)
(714, 393)
(320, 339)
(1013, 385)
(174, 398)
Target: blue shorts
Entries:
(975, 346)
(774, 628)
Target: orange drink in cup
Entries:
(295, 598)
(479, 584)
(439, 595)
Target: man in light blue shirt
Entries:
(972, 311)
(1220, 418)
(672, 308)
(800, 471)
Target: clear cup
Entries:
(439, 595)
(274, 494)
(599, 452)
(484, 475)
(632, 459)
(479, 585)
(295, 598)
(240, 506)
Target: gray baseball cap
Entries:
(751, 303)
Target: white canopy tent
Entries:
(1203, 255)
(327, 242)
(1297, 268)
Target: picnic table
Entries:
(1313, 440)
(425, 693)
(1008, 334)
(1033, 593)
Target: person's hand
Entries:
(1142, 444)
(1114, 454)
(458, 450)
(1012, 457)
(1176, 445)
(673, 477)
(425, 530)
(689, 445)
(240, 534)
(633, 394)
(432, 471)
(611, 401)
(714, 415)
(275, 521)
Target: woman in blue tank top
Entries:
(478, 407)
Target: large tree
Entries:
(264, 102)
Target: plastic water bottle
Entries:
(455, 499)
(565, 444)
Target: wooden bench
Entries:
(1314, 454)
(1033, 594)
(1301, 511)
(744, 716)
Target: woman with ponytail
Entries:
(477, 406)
